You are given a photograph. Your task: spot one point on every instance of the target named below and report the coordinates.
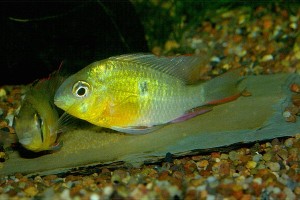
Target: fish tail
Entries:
(224, 88)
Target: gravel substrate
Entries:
(267, 171)
(264, 40)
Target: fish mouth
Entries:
(64, 103)
(58, 102)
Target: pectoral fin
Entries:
(56, 146)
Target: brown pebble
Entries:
(121, 173)
(203, 194)
(283, 154)
(196, 158)
(178, 175)
(18, 175)
(23, 179)
(225, 189)
(257, 189)
(240, 168)
(12, 193)
(215, 155)
(190, 166)
(163, 175)
(237, 191)
(75, 190)
(205, 173)
(50, 177)
(88, 181)
(297, 190)
(293, 109)
(105, 170)
(246, 197)
(196, 182)
(68, 178)
(296, 100)
(224, 168)
(191, 195)
(295, 87)
(246, 93)
(202, 164)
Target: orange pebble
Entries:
(295, 87)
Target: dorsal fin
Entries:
(182, 67)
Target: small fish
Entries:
(139, 93)
(36, 123)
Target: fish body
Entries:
(36, 122)
(135, 93)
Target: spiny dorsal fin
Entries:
(181, 67)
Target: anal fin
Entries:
(137, 129)
(192, 113)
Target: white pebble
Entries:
(215, 59)
(65, 195)
(267, 58)
(286, 114)
(258, 180)
(289, 193)
(107, 191)
(276, 190)
(274, 166)
(94, 196)
(210, 197)
(257, 157)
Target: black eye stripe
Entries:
(39, 122)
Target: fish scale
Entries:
(171, 98)
(137, 93)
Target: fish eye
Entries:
(81, 89)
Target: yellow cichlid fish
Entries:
(36, 123)
(138, 93)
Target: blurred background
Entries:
(37, 36)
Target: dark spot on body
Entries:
(143, 87)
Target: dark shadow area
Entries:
(37, 36)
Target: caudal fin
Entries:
(223, 88)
